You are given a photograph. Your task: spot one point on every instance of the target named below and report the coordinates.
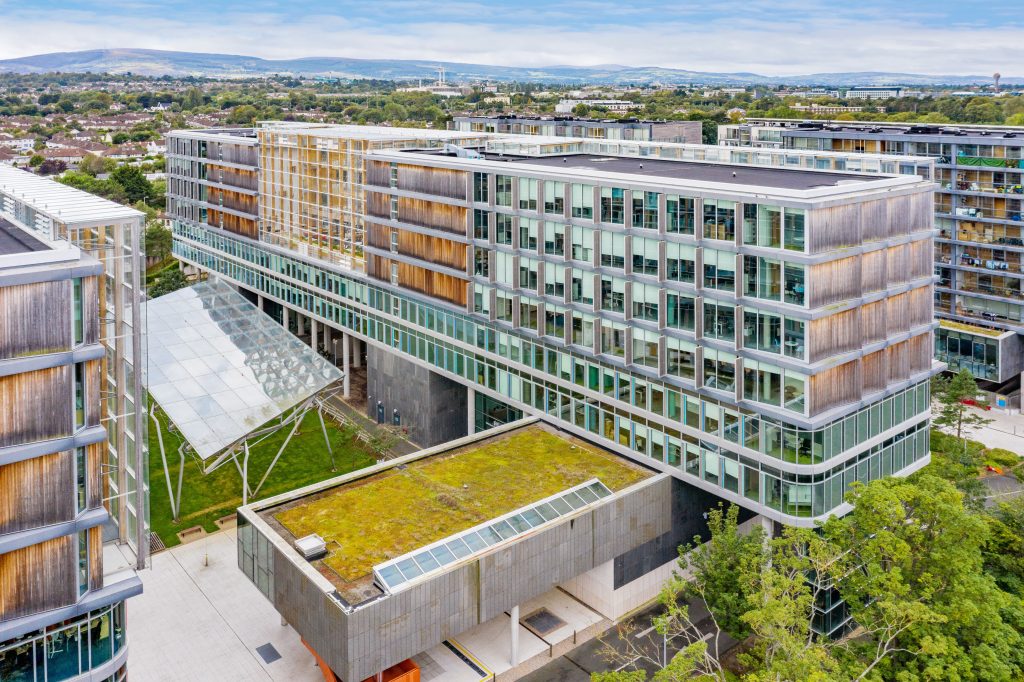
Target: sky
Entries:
(770, 37)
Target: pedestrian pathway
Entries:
(357, 418)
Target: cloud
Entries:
(773, 37)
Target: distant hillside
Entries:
(159, 63)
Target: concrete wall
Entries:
(431, 406)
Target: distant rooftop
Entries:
(560, 119)
(370, 520)
(998, 133)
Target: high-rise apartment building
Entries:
(761, 332)
(979, 215)
(688, 132)
(62, 590)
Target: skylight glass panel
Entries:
(220, 368)
(479, 539)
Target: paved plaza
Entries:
(199, 619)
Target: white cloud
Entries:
(759, 44)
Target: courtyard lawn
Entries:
(206, 498)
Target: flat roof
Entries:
(384, 515)
(358, 132)
(734, 174)
(15, 240)
(60, 202)
(993, 132)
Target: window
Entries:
(762, 225)
(679, 214)
(394, 273)
(762, 331)
(613, 339)
(645, 301)
(528, 234)
(582, 287)
(681, 311)
(481, 299)
(79, 404)
(645, 210)
(720, 270)
(645, 348)
(481, 262)
(613, 205)
(554, 198)
(393, 174)
(680, 358)
(78, 312)
(503, 306)
(82, 480)
(794, 229)
(503, 268)
(83, 562)
(481, 225)
(394, 208)
(527, 194)
(680, 262)
(583, 329)
(719, 321)
(583, 201)
(503, 190)
(645, 256)
(613, 250)
(762, 278)
(794, 284)
(554, 321)
(528, 313)
(613, 294)
(554, 239)
(583, 244)
(554, 280)
(394, 241)
(762, 382)
(503, 229)
(528, 273)
(719, 219)
(719, 370)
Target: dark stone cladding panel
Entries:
(689, 504)
(431, 406)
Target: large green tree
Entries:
(953, 411)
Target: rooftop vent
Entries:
(311, 547)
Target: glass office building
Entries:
(761, 331)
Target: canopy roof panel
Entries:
(220, 368)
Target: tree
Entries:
(717, 565)
(36, 161)
(92, 164)
(245, 114)
(135, 184)
(166, 282)
(953, 412)
(158, 241)
(912, 574)
(52, 167)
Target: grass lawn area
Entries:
(384, 516)
(204, 499)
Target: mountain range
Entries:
(167, 63)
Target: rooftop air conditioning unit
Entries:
(311, 547)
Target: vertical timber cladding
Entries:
(37, 405)
(37, 492)
(39, 577)
(21, 308)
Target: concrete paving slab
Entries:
(199, 619)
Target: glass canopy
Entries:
(397, 572)
(220, 368)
